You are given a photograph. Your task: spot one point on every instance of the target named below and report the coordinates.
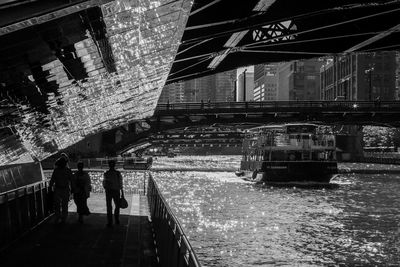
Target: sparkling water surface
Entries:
(231, 222)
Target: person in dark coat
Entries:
(81, 186)
(112, 184)
(60, 183)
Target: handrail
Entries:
(22, 209)
(382, 160)
(176, 250)
(23, 188)
(130, 163)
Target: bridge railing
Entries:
(351, 105)
(23, 209)
(102, 163)
(378, 160)
(176, 249)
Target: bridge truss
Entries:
(167, 126)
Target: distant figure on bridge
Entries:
(112, 184)
(209, 102)
(378, 102)
(81, 187)
(60, 183)
(202, 104)
(168, 104)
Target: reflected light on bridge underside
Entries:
(144, 38)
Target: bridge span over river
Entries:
(328, 112)
(177, 116)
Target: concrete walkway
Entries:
(91, 243)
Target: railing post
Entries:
(32, 206)
(39, 199)
(24, 205)
(176, 250)
(6, 221)
(18, 214)
(144, 183)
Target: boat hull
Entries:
(291, 171)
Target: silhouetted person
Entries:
(65, 156)
(202, 104)
(378, 102)
(81, 186)
(60, 183)
(112, 184)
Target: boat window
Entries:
(278, 155)
(301, 129)
(266, 155)
(294, 156)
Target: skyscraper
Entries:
(217, 88)
(245, 88)
(365, 76)
(224, 86)
(172, 93)
(397, 96)
(299, 80)
(265, 82)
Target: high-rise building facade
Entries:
(299, 80)
(265, 82)
(224, 87)
(365, 76)
(219, 87)
(245, 86)
(198, 89)
(397, 95)
(172, 93)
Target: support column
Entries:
(350, 143)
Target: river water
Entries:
(231, 222)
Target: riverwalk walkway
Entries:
(90, 243)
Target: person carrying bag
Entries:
(112, 184)
(123, 204)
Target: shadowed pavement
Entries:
(91, 243)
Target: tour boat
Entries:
(289, 153)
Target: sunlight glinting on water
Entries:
(233, 223)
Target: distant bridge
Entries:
(175, 117)
(328, 112)
(197, 139)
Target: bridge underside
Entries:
(221, 35)
(71, 69)
(171, 124)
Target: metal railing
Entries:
(377, 160)
(23, 209)
(102, 163)
(328, 105)
(176, 249)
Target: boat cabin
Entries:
(289, 142)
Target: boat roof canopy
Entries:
(282, 126)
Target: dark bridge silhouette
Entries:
(172, 117)
(329, 112)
